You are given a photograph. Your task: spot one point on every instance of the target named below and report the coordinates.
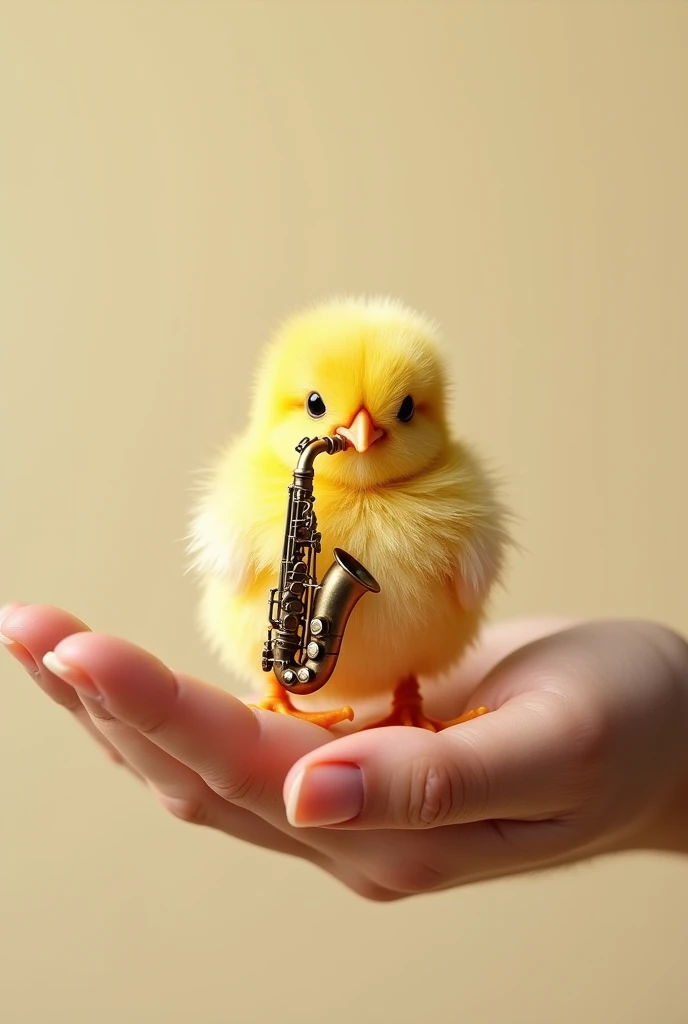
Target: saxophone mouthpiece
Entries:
(339, 443)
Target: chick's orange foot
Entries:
(277, 699)
(407, 709)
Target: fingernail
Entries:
(17, 650)
(20, 652)
(6, 610)
(76, 677)
(325, 794)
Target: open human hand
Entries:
(584, 753)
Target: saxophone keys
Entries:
(303, 675)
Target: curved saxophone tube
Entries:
(344, 584)
(307, 618)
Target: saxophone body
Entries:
(308, 618)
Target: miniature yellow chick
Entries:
(408, 500)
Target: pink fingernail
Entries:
(5, 611)
(16, 649)
(20, 652)
(71, 674)
(325, 794)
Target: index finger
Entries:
(243, 756)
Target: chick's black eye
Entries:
(406, 410)
(315, 405)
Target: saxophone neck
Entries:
(310, 448)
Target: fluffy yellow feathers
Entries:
(408, 500)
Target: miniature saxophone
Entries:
(307, 618)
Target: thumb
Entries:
(524, 761)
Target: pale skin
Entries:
(583, 753)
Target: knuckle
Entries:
(590, 752)
(435, 794)
(234, 787)
(187, 809)
(408, 877)
(583, 732)
(368, 889)
(152, 726)
(69, 701)
(378, 894)
(586, 733)
(98, 714)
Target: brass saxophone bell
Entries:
(343, 586)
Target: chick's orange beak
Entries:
(361, 432)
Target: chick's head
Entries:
(371, 371)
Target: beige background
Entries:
(176, 177)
